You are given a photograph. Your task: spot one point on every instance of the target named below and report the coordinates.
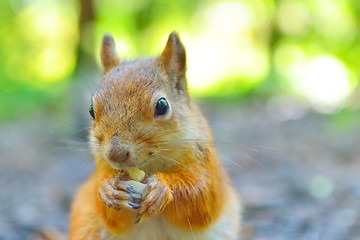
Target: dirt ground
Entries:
(296, 171)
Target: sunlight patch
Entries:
(324, 80)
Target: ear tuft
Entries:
(109, 58)
(173, 57)
(173, 60)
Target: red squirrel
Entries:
(144, 119)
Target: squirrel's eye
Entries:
(91, 111)
(162, 107)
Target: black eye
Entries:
(91, 111)
(162, 107)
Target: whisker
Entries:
(238, 145)
(70, 144)
(192, 232)
(251, 158)
(170, 148)
(173, 160)
(185, 130)
(253, 148)
(181, 149)
(236, 164)
(198, 140)
(267, 148)
(143, 135)
(231, 161)
(157, 136)
(73, 140)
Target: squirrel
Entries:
(144, 118)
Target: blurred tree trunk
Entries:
(271, 83)
(85, 60)
(86, 71)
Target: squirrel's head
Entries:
(142, 114)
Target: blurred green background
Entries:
(287, 71)
(304, 49)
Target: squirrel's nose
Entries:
(117, 152)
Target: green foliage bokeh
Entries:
(305, 48)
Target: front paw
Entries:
(156, 197)
(118, 194)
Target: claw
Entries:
(138, 218)
(135, 197)
(134, 205)
(131, 189)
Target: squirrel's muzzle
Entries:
(117, 152)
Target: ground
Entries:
(295, 170)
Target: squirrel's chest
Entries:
(154, 228)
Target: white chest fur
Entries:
(157, 228)
(152, 229)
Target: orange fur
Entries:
(85, 221)
(185, 186)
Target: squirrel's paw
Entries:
(155, 198)
(118, 194)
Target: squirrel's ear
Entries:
(109, 58)
(173, 59)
